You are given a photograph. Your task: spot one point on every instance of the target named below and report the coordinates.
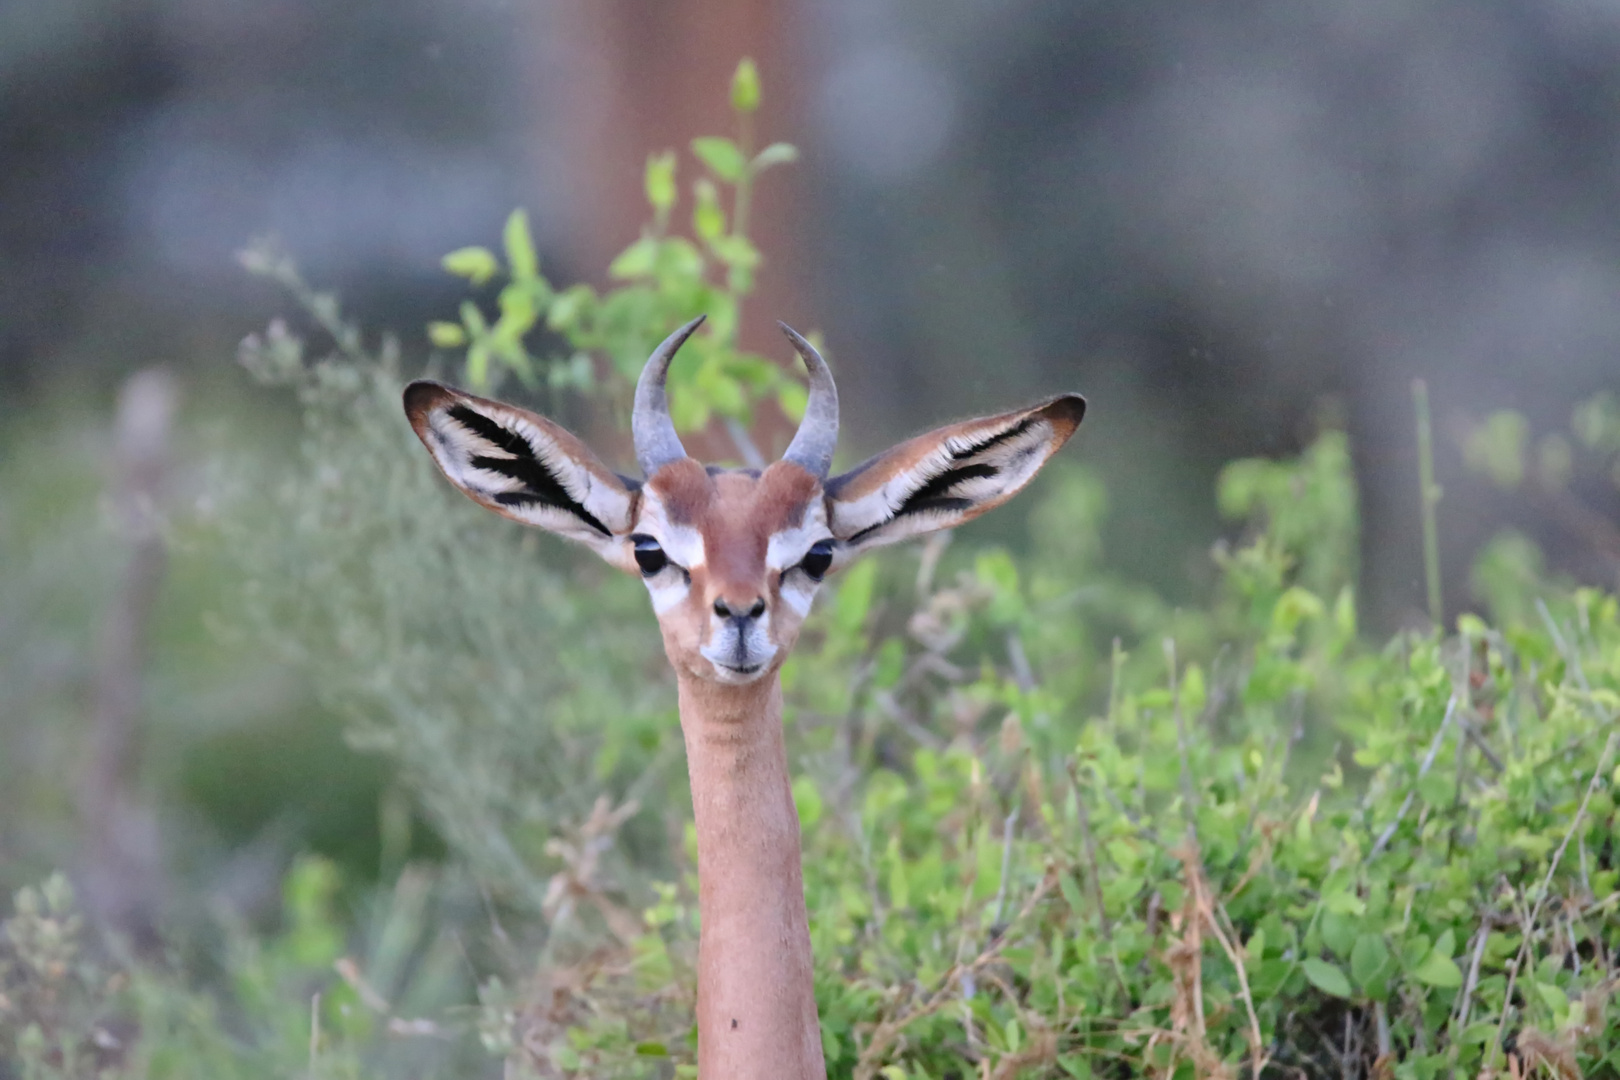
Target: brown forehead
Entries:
(727, 501)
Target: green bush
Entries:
(1052, 825)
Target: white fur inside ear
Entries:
(544, 484)
(966, 473)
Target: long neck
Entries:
(756, 1006)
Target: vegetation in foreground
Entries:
(1052, 826)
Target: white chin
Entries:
(740, 674)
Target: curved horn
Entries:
(812, 447)
(656, 442)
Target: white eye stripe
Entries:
(681, 543)
(667, 589)
(788, 547)
(798, 592)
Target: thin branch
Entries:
(1189, 794)
(746, 450)
(1257, 1057)
(1007, 827)
(1460, 1017)
(1423, 770)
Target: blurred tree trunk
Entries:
(121, 875)
(654, 75)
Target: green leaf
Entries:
(447, 335)
(792, 399)
(1071, 893)
(569, 307)
(854, 598)
(745, 87)
(1436, 789)
(996, 568)
(635, 261)
(651, 1049)
(1326, 977)
(476, 264)
(1339, 932)
(721, 156)
(478, 366)
(660, 181)
(708, 220)
(736, 251)
(473, 319)
(1370, 963)
(1554, 998)
(1497, 448)
(518, 314)
(1438, 970)
(1293, 607)
(520, 253)
(688, 410)
(808, 801)
(778, 153)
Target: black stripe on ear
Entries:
(997, 439)
(541, 484)
(931, 497)
(932, 494)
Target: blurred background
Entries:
(1228, 225)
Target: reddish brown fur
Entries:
(736, 514)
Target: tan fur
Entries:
(739, 538)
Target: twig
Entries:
(1257, 1057)
(1460, 1018)
(1189, 796)
(1116, 660)
(314, 1031)
(1023, 674)
(746, 450)
(1480, 744)
(1431, 496)
(1423, 770)
(1007, 827)
(888, 1032)
(1091, 854)
(932, 549)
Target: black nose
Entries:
(725, 610)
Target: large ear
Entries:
(522, 466)
(948, 476)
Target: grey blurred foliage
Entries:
(485, 661)
(59, 565)
(1207, 217)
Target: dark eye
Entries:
(649, 556)
(818, 560)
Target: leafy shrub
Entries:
(1174, 890)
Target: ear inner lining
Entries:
(995, 440)
(947, 476)
(523, 466)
